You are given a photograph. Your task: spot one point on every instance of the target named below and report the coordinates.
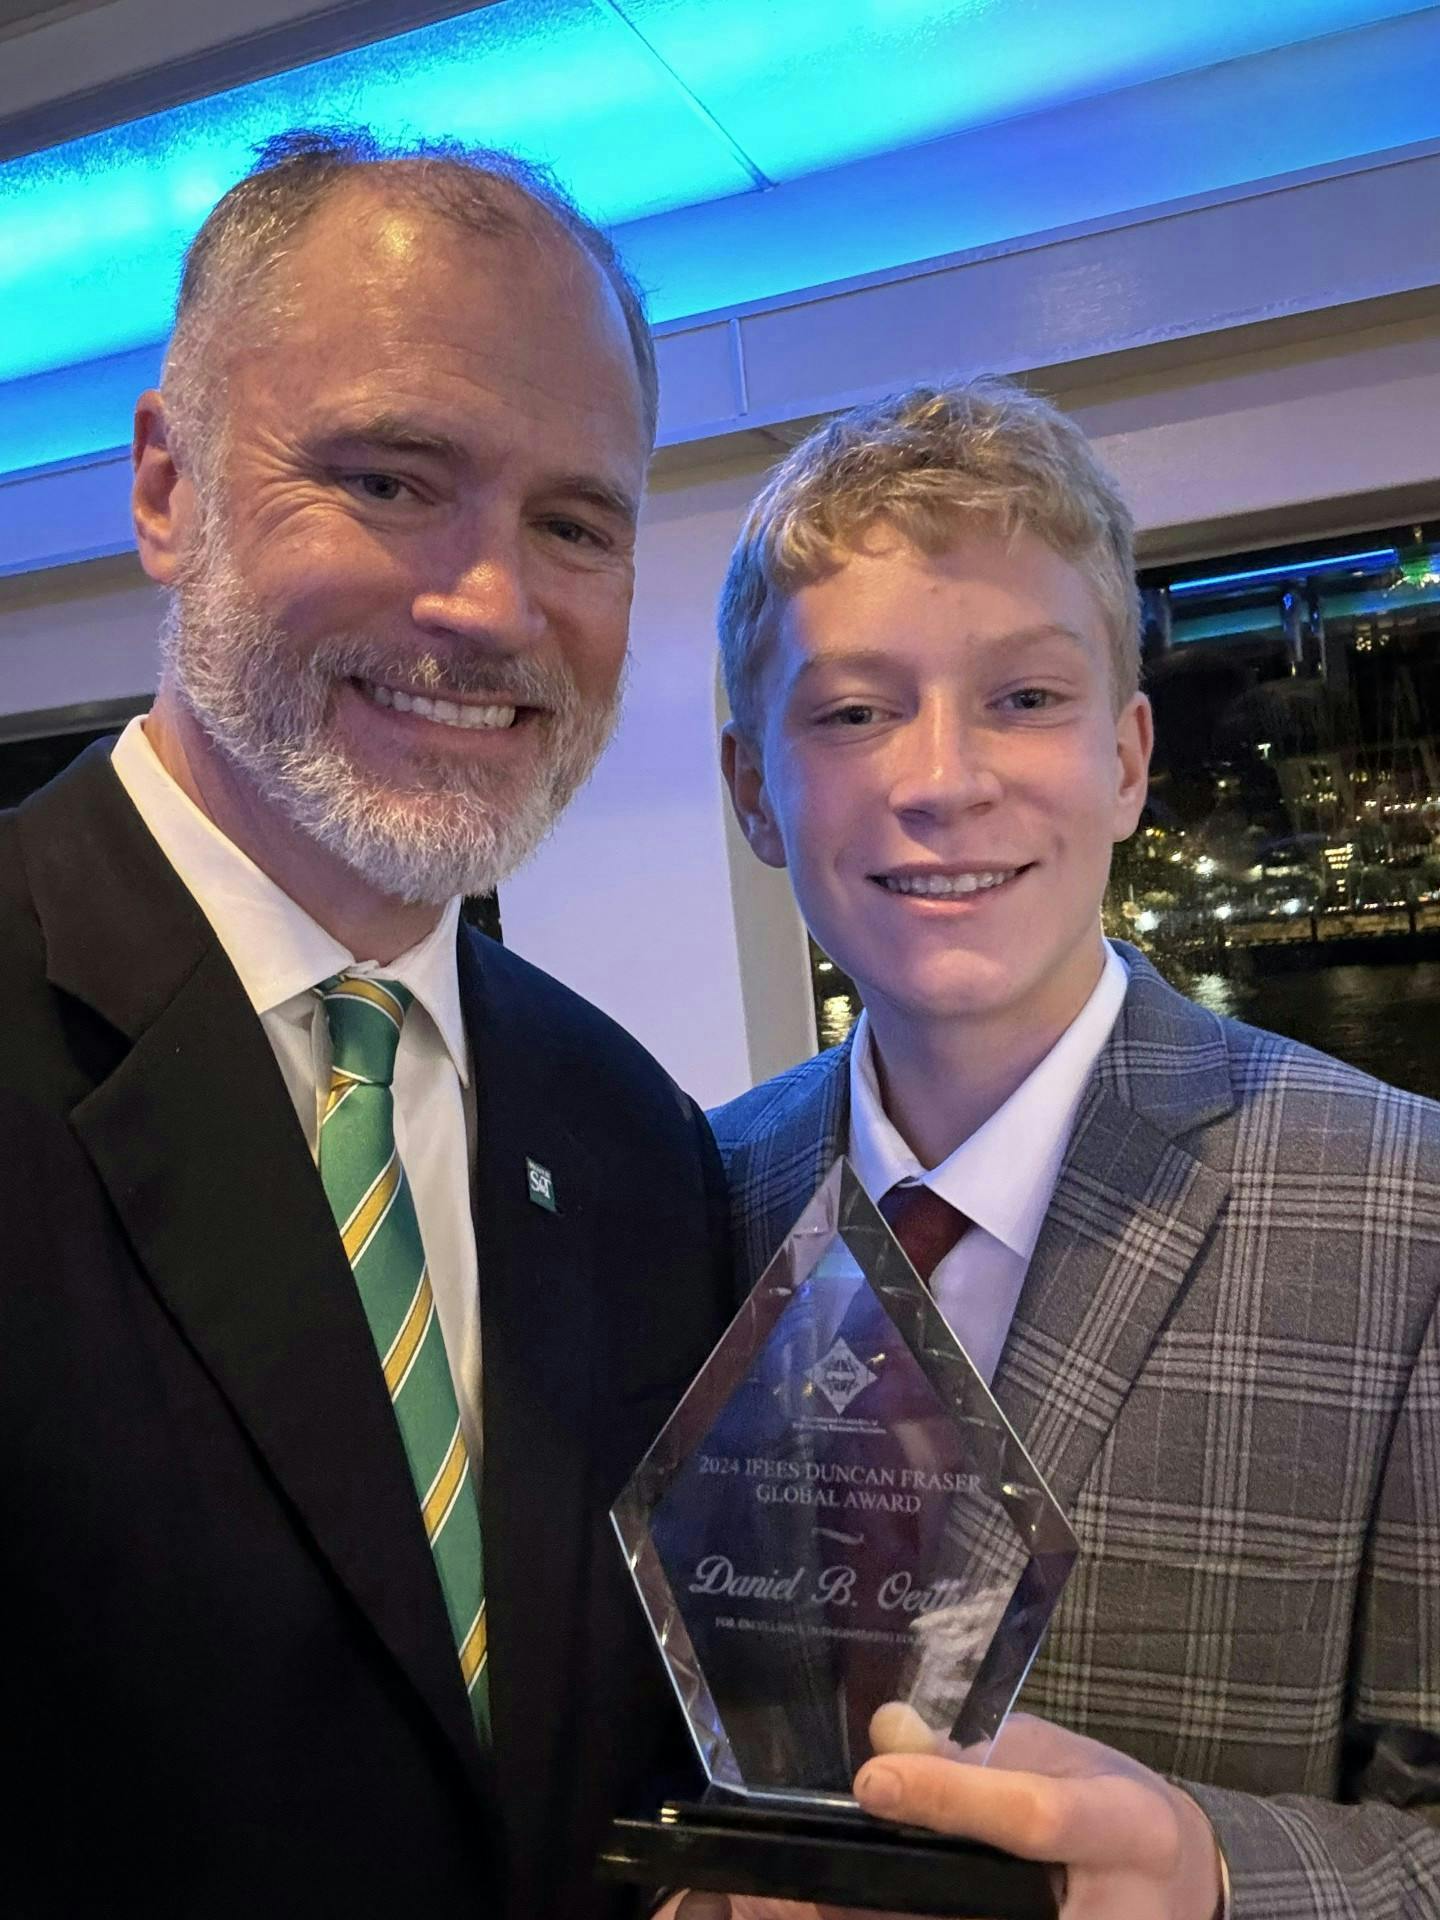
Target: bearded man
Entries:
(331, 1322)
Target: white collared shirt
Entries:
(281, 955)
(1001, 1178)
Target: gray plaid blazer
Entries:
(1226, 1362)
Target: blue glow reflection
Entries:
(660, 116)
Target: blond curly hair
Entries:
(927, 462)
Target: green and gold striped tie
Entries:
(370, 1197)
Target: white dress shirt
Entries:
(281, 955)
(1001, 1178)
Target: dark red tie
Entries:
(926, 1226)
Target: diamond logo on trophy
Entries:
(837, 1519)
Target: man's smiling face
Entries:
(943, 770)
(409, 619)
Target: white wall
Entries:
(630, 902)
(1282, 435)
(77, 634)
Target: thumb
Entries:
(703, 1906)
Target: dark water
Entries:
(1385, 1019)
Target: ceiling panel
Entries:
(810, 84)
(643, 107)
(23, 16)
(91, 232)
(89, 64)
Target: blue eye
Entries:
(572, 533)
(380, 486)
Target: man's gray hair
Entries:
(929, 462)
(229, 267)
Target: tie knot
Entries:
(926, 1225)
(365, 1018)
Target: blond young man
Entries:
(1201, 1263)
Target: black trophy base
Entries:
(846, 1859)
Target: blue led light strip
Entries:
(896, 131)
(92, 232)
(1332, 563)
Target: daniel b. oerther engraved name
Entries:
(831, 1586)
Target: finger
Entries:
(1101, 1822)
(1111, 1896)
(1026, 1744)
(897, 1728)
(701, 1906)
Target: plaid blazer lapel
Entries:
(780, 1159)
(1131, 1212)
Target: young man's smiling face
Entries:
(942, 767)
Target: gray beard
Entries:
(266, 707)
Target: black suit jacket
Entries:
(230, 1686)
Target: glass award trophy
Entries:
(837, 1519)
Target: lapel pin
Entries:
(541, 1184)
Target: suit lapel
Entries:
(537, 1296)
(773, 1178)
(196, 1141)
(1130, 1215)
